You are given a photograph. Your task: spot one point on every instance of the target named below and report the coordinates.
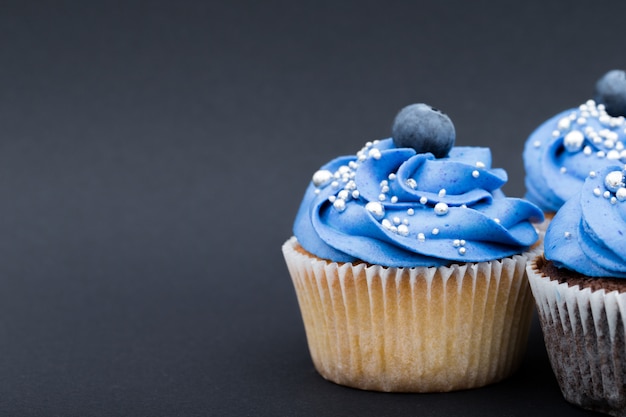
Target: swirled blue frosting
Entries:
(588, 232)
(561, 152)
(394, 207)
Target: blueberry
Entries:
(425, 129)
(611, 91)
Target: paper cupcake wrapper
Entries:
(584, 336)
(412, 329)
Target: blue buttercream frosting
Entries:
(587, 234)
(399, 208)
(561, 152)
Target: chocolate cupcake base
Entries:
(584, 332)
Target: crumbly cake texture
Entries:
(582, 320)
(421, 329)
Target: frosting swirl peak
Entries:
(399, 208)
(587, 233)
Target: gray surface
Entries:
(153, 156)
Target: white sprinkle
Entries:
(355, 194)
(442, 192)
(614, 180)
(462, 242)
(574, 140)
(567, 235)
(587, 150)
(597, 192)
(384, 189)
(613, 200)
(343, 194)
(405, 221)
(435, 231)
(591, 103)
(497, 220)
(621, 194)
(613, 154)
(606, 194)
(317, 191)
(396, 220)
(384, 183)
(392, 176)
(335, 184)
(481, 165)
(612, 137)
(394, 199)
(353, 165)
(376, 209)
(421, 237)
(387, 224)
(456, 243)
(382, 197)
(322, 177)
(339, 205)
(403, 230)
(411, 183)
(375, 153)
(410, 212)
(581, 121)
(564, 123)
(475, 174)
(441, 209)
(332, 198)
(537, 143)
(592, 174)
(462, 251)
(563, 170)
(351, 185)
(600, 154)
(344, 169)
(424, 200)
(463, 205)
(556, 133)
(609, 144)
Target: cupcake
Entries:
(561, 152)
(408, 263)
(579, 286)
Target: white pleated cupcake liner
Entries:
(413, 329)
(584, 332)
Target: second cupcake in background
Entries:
(408, 262)
(563, 150)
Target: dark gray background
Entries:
(153, 155)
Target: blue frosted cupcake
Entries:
(579, 286)
(408, 262)
(563, 150)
